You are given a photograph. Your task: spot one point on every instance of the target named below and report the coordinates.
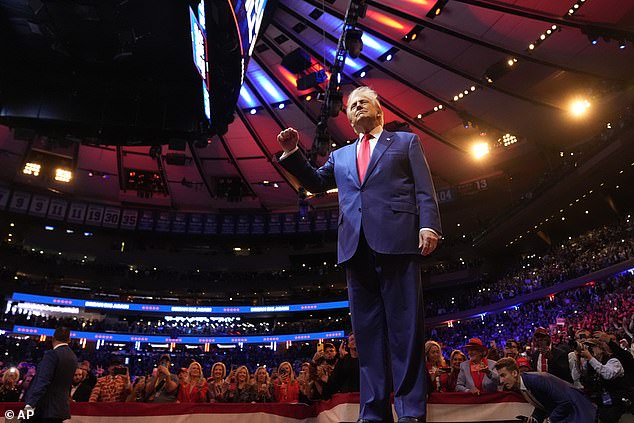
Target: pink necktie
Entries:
(363, 158)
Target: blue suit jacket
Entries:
(392, 203)
(563, 402)
(50, 390)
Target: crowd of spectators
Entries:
(593, 250)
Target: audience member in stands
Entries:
(455, 359)
(89, 377)
(217, 385)
(9, 391)
(345, 376)
(603, 378)
(287, 387)
(523, 364)
(240, 390)
(183, 374)
(549, 359)
(162, 387)
(478, 374)
(262, 386)
(80, 390)
(554, 400)
(115, 386)
(138, 390)
(436, 366)
(512, 349)
(494, 352)
(194, 386)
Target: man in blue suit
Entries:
(49, 392)
(388, 216)
(553, 398)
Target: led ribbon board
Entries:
(163, 308)
(117, 337)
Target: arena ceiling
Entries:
(474, 73)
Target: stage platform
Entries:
(442, 407)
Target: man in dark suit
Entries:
(80, 389)
(49, 391)
(388, 216)
(549, 359)
(552, 397)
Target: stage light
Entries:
(362, 74)
(388, 57)
(480, 149)
(253, 111)
(622, 44)
(436, 9)
(31, 168)
(281, 106)
(353, 42)
(413, 34)
(579, 108)
(63, 175)
(308, 97)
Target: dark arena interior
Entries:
(163, 245)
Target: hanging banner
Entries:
(111, 217)
(39, 205)
(57, 209)
(20, 202)
(77, 212)
(94, 215)
(129, 219)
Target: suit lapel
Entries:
(351, 157)
(381, 145)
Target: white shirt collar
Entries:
(522, 386)
(59, 345)
(376, 133)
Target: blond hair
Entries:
(189, 370)
(428, 347)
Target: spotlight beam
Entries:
(387, 104)
(415, 53)
(478, 41)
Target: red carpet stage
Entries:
(455, 407)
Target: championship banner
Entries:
(243, 225)
(304, 224)
(211, 224)
(57, 209)
(4, 196)
(275, 225)
(179, 223)
(20, 202)
(289, 223)
(163, 222)
(321, 220)
(146, 220)
(228, 225)
(111, 217)
(39, 205)
(195, 224)
(77, 213)
(258, 225)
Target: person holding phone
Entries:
(115, 386)
(162, 387)
(263, 387)
(216, 384)
(436, 366)
(478, 374)
(287, 388)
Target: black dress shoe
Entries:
(411, 420)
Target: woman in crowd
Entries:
(478, 374)
(138, 390)
(287, 387)
(436, 366)
(194, 386)
(240, 390)
(9, 391)
(262, 386)
(456, 358)
(216, 384)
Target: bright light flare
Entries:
(32, 169)
(63, 175)
(579, 108)
(480, 149)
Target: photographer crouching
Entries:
(603, 378)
